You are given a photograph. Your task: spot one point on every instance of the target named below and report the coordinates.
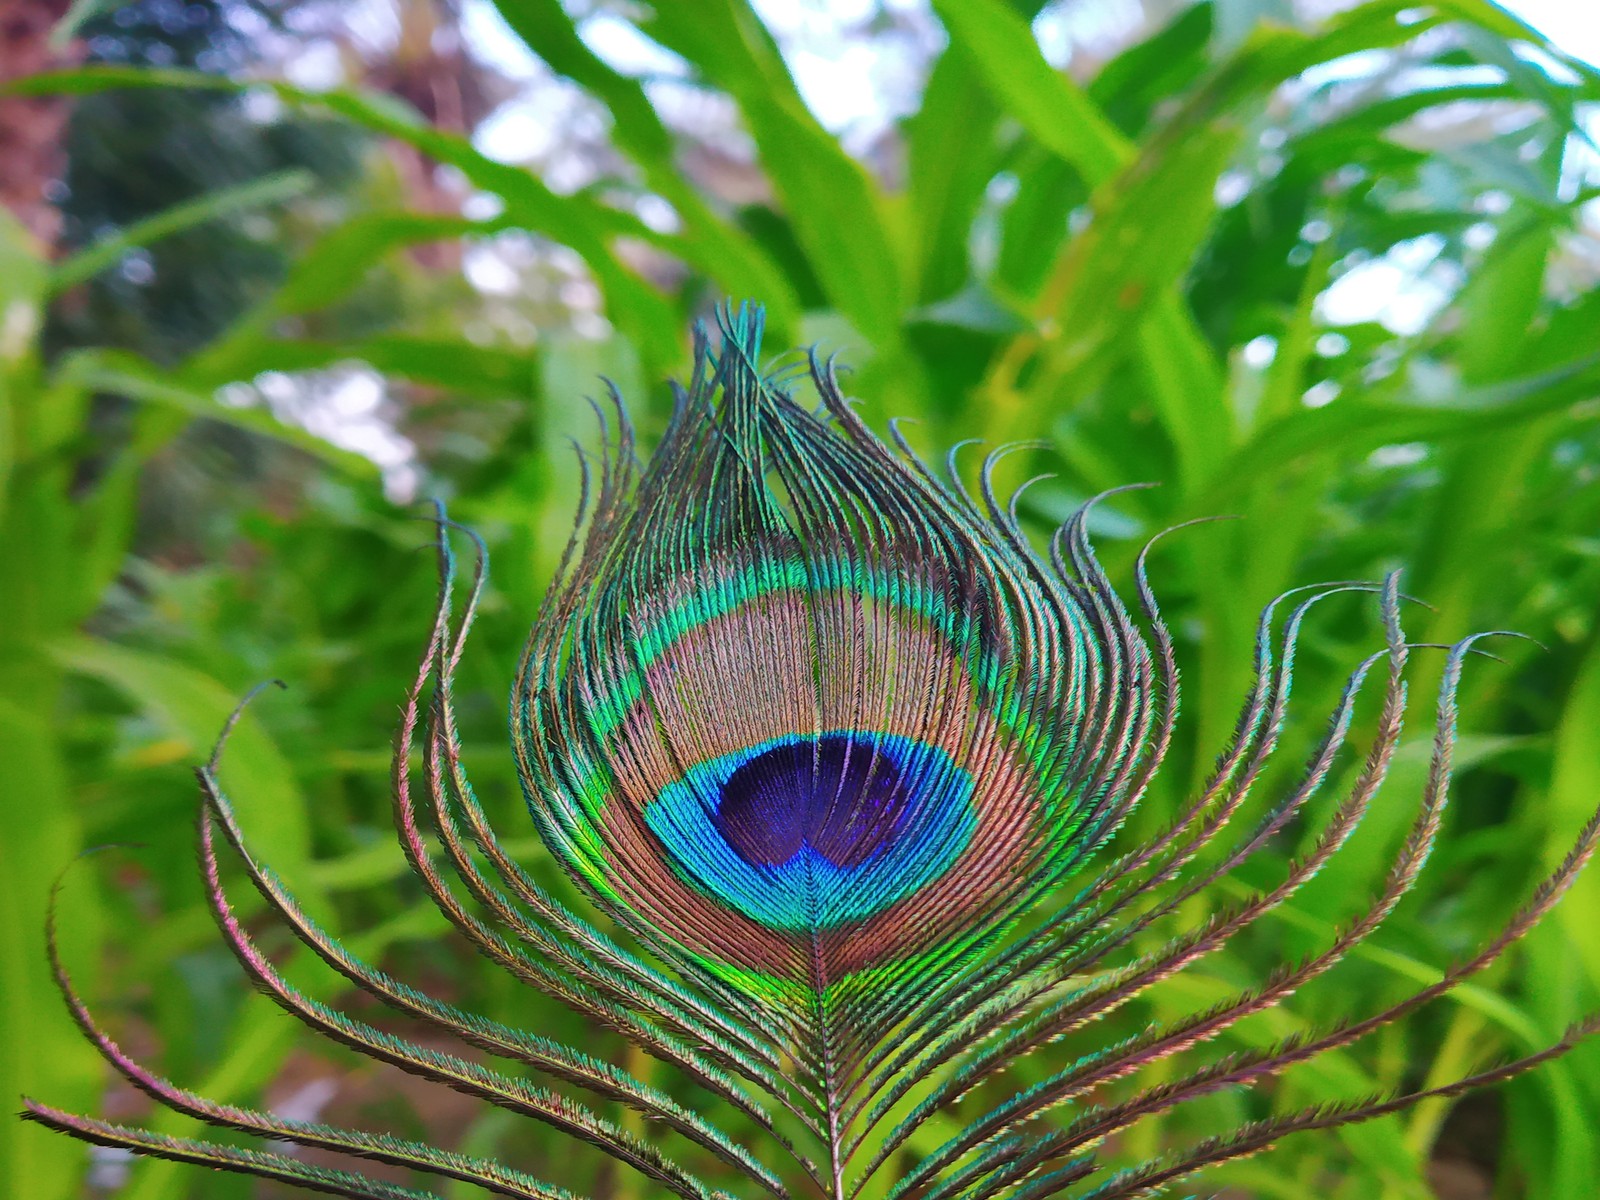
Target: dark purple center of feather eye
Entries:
(838, 794)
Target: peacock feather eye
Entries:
(808, 713)
(837, 757)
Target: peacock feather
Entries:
(835, 755)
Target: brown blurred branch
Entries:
(32, 127)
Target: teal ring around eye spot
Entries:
(808, 891)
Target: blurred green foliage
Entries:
(1135, 271)
(133, 156)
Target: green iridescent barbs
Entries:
(837, 756)
(808, 714)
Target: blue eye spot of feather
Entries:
(813, 832)
(840, 797)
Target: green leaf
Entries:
(326, 273)
(45, 1055)
(124, 374)
(212, 206)
(828, 198)
(22, 283)
(466, 369)
(1499, 305)
(192, 707)
(948, 177)
(719, 248)
(1049, 105)
(1354, 426)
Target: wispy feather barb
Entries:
(835, 755)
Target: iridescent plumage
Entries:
(811, 715)
(836, 754)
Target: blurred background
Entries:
(273, 272)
